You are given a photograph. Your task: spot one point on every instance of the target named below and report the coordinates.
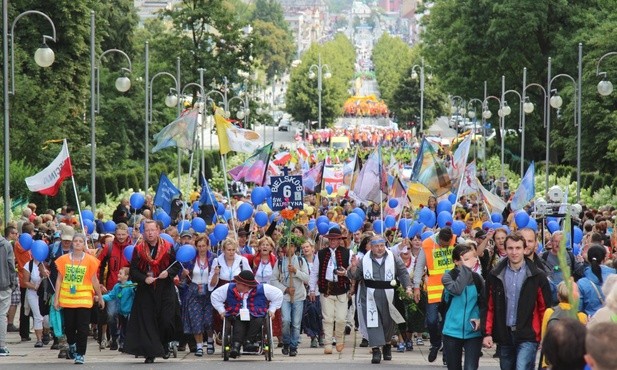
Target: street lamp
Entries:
(414, 75)
(487, 114)
(521, 123)
(123, 84)
(471, 113)
(605, 87)
(316, 70)
(528, 108)
(457, 109)
(556, 101)
(44, 57)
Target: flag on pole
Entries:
(526, 190)
(254, 169)
(302, 152)
(48, 181)
(313, 177)
(282, 158)
(429, 172)
(165, 193)
(398, 192)
(371, 181)
(468, 185)
(180, 133)
(493, 202)
(207, 196)
(235, 138)
(459, 159)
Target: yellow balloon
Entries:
(310, 210)
(305, 207)
(324, 193)
(264, 207)
(239, 204)
(341, 191)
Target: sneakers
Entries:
(79, 359)
(46, 338)
(285, 349)
(4, 351)
(114, 345)
(376, 356)
(38, 344)
(199, 352)
(102, 344)
(293, 352)
(210, 348)
(409, 345)
(10, 328)
(70, 355)
(314, 343)
(364, 342)
(401, 347)
(432, 354)
(419, 341)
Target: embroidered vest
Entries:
(342, 259)
(256, 302)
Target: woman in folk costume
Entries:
(379, 269)
(155, 316)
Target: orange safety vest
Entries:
(438, 262)
(76, 290)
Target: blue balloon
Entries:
(198, 224)
(426, 235)
(323, 228)
(109, 227)
(552, 226)
(128, 252)
(142, 227)
(416, 229)
(261, 218)
(183, 225)
(576, 250)
(321, 219)
(458, 227)
(245, 211)
(497, 217)
(403, 224)
(196, 206)
(578, 235)
(443, 218)
(521, 218)
(353, 222)
(496, 226)
(432, 219)
(452, 198)
(213, 239)
(532, 224)
(444, 206)
(268, 192)
(39, 250)
(220, 209)
(378, 226)
(168, 238)
(87, 214)
(486, 225)
(89, 225)
(275, 214)
(269, 202)
(425, 215)
(311, 225)
(392, 203)
(329, 189)
(360, 212)
(390, 221)
(162, 216)
(137, 200)
(227, 215)
(221, 231)
(186, 253)
(506, 228)
(258, 195)
(332, 225)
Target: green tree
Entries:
(274, 47)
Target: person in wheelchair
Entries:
(245, 303)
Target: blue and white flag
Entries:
(165, 193)
(526, 190)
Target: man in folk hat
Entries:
(380, 269)
(329, 276)
(247, 303)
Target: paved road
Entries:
(25, 356)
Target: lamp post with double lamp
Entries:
(123, 84)
(44, 57)
(556, 102)
(414, 75)
(317, 70)
(521, 119)
(487, 114)
(457, 110)
(528, 108)
(471, 113)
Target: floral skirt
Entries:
(196, 311)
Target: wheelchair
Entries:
(265, 343)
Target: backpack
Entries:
(444, 304)
(558, 313)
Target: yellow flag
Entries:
(221, 128)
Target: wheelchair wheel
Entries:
(225, 342)
(268, 347)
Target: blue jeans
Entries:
(433, 324)
(519, 356)
(112, 317)
(453, 350)
(292, 318)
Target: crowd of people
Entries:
(367, 137)
(135, 292)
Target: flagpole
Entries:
(380, 190)
(190, 165)
(233, 214)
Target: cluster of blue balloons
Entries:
(355, 220)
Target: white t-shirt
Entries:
(35, 277)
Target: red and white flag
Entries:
(48, 181)
(282, 158)
(302, 152)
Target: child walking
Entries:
(124, 293)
